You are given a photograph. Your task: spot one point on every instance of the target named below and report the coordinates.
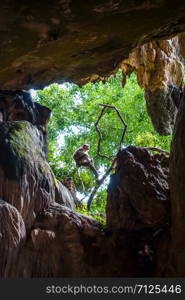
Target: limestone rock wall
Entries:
(12, 237)
(159, 66)
(139, 203)
(26, 179)
(139, 190)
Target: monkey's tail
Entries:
(83, 187)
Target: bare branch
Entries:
(99, 184)
(157, 149)
(105, 106)
(83, 187)
(99, 133)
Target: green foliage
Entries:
(98, 217)
(75, 110)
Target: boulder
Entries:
(138, 193)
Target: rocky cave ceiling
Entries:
(73, 40)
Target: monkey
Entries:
(68, 182)
(82, 158)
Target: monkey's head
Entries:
(86, 147)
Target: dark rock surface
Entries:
(49, 41)
(177, 176)
(26, 179)
(63, 196)
(162, 109)
(18, 106)
(139, 190)
(67, 244)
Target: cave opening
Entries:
(75, 110)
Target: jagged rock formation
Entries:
(29, 154)
(139, 203)
(26, 180)
(18, 106)
(139, 191)
(44, 42)
(160, 71)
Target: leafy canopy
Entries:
(75, 110)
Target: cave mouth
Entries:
(74, 112)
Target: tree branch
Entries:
(157, 149)
(105, 106)
(99, 184)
